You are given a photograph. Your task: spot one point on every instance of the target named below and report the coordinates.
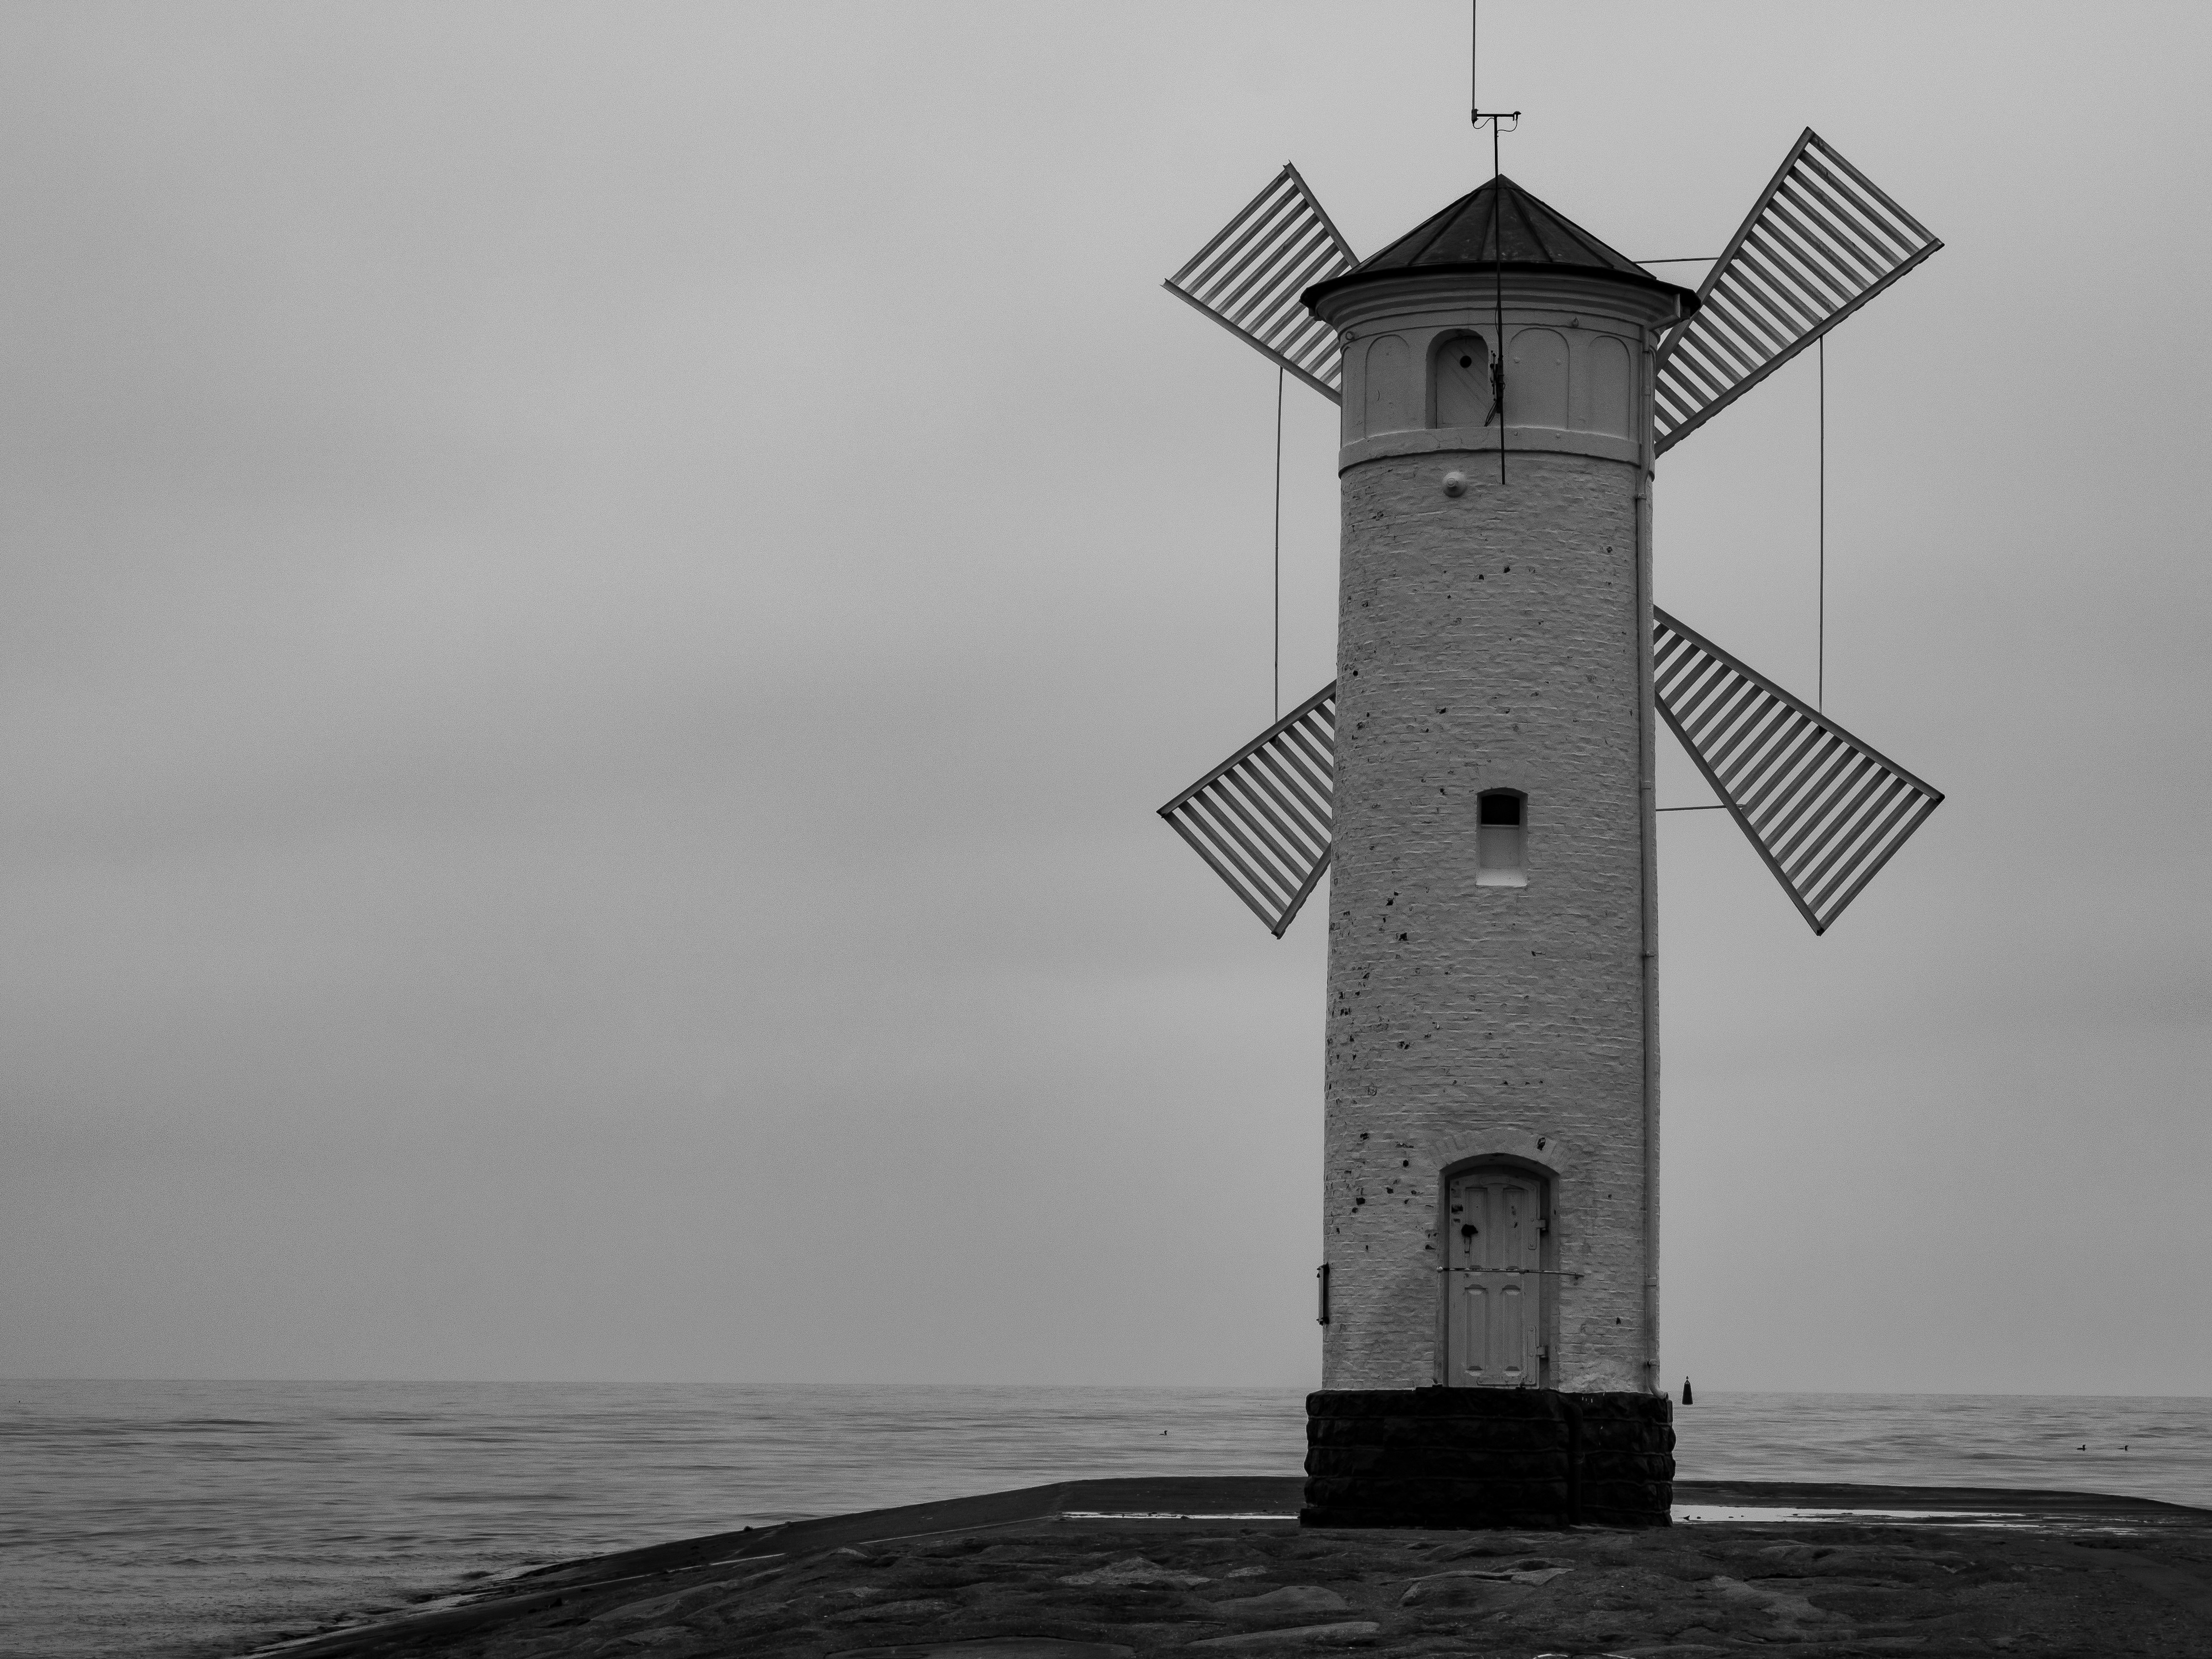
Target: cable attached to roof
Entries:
(1497, 118)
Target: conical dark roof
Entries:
(1500, 226)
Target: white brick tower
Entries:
(1476, 783)
(1490, 1206)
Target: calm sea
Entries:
(194, 1519)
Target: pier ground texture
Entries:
(1124, 1568)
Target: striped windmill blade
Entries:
(1261, 817)
(1824, 811)
(1249, 279)
(1820, 243)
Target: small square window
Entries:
(1501, 839)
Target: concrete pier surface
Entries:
(1113, 1569)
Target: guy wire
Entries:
(1277, 691)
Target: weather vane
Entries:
(1475, 114)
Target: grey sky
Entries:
(599, 600)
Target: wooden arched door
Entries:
(1495, 1216)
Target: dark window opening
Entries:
(1501, 839)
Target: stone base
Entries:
(1487, 1457)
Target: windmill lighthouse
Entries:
(1479, 781)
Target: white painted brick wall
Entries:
(1489, 641)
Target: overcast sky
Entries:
(597, 600)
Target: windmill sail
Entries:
(1249, 279)
(1261, 817)
(1824, 811)
(1820, 243)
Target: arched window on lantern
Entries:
(1501, 839)
(1460, 392)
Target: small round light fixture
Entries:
(1455, 483)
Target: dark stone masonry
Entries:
(1459, 1458)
